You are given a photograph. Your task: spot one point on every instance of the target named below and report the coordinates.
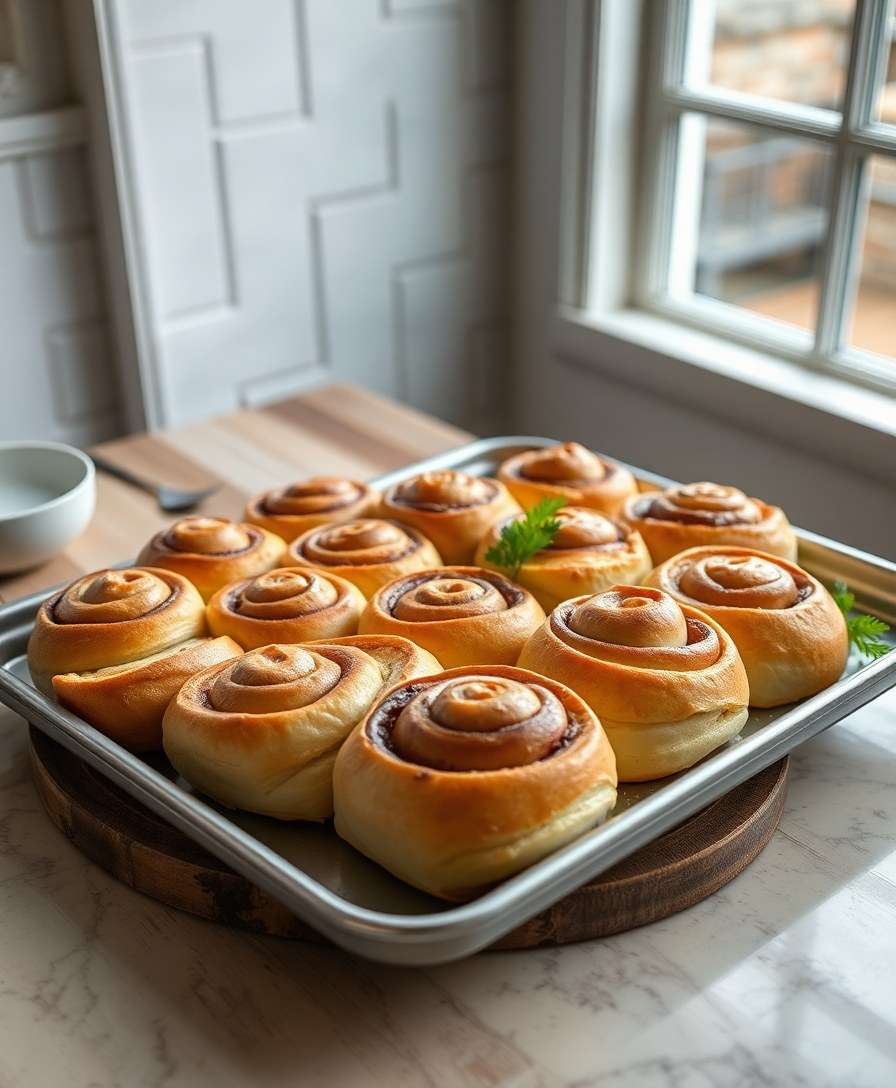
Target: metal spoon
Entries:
(170, 499)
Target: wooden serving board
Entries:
(142, 850)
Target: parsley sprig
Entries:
(864, 631)
(522, 538)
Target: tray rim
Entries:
(449, 934)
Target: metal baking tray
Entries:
(364, 909)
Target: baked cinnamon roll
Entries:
(790, 634)
(261, 733)
(320, 500)
(463, 615)
(112, 617)
(567, 471)
(460, 780)
(452, 509)
(115, 646)
(369, 552)
(290, 604)
(213, 552)
(665, 680)
(692, 515)
(589, 552)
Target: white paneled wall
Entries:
(55, 360)
(314, 189)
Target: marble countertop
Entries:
(785, 977)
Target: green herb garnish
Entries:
(863, 630)
(522, 538)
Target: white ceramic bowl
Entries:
(47, 495)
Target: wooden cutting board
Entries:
(143, 851)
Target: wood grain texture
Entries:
(140, 849)
(335, 429)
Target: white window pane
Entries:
(872, 326)
(790, 50)
(750, 218)
(885, 93)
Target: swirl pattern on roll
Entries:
(319, 495)
(272, 680)
(571, 471)
(690, 515)
(479, 724)
(463, 615)
(458, 780)
(568, 463)
(290, 604)
(741, 581)
(703, 504)
(213, 551)
(448, 596)
(452, 509)
(664, 678)
(589, 552)
(787, 628)
(261, 732)
(114, 596)
(583, 528)
(111, 617)
(303, 505)
(639, 627)
(445, 490)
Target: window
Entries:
(770, 149)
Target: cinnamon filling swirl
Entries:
(701, 504)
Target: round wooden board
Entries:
(142, 850)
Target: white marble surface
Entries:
(786, 977)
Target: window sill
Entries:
(834, 420)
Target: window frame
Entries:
(851, 136)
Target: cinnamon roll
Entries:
(261, 733)
(690, 515)
(460, 780)
(665, 680)
(790, 634)
(589, 552)
(567, 471)
(289, 604)
(452, 509)
(212, 552)
(320, 500)
(115, 646)
(112, 617)
(464, 615)
(368, 552)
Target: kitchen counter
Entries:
(787, 976)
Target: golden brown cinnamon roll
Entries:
(665, 680)
(293, 510)
(112, 617)
(589, 552)
(452, 509)
(462, 779)
(790, 634)
(691, 515)
(464, 615)
(567, 471)
(290, 604)
(369, 552)
(213, 552)
(261, 733)
(127, 702)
